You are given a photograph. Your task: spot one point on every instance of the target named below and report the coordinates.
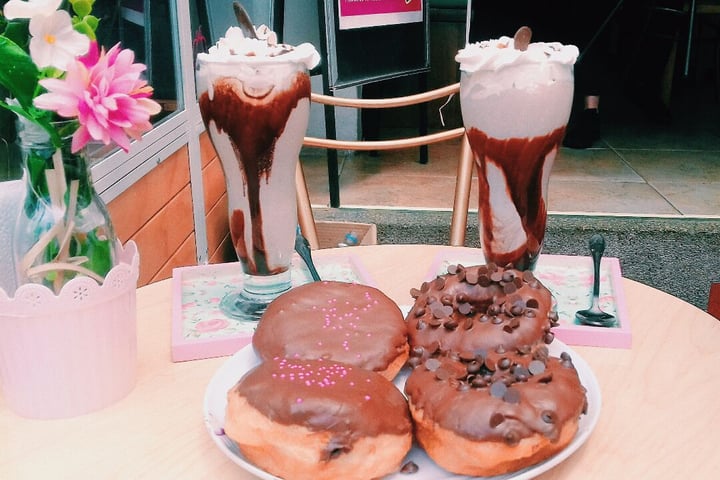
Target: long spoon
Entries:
(244, 21)
(594, 316)
(302, 247)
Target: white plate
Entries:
(231, 371)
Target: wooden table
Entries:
(660, 416)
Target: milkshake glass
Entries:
(515, 101)
(254, 98)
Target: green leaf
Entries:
(18, 73)
(18, 32)
(82, 7)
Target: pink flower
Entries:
(105, 92)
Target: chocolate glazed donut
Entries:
(480, 307)
(487, 413)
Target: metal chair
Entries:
(464, 177)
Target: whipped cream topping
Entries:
(499, 53)
(236, 47)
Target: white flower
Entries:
(28, 9)
(54, 42)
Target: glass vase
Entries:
(63, 229)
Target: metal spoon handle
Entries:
(244, 21)
(302, 247)
(597, 248)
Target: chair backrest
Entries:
(464, 177)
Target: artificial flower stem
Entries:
(36, 249)
(50, 267)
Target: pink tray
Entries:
(201, 330)
(570, 279)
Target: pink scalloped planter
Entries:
(69, 354)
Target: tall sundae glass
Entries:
(254, 98)
(515, 98)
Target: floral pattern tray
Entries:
(570, 280)
(201, 330)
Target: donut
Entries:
(486, 413)
(346, 322)
(318, 419)
(480, 307)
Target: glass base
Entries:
(258, 291)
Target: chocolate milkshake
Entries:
(254, 98)
(515, 98)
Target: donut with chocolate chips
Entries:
(480, 307)
(318, 420)
(485, 413)
(346, 322)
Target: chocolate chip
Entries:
(518, 282)
(496, 320)
(532, 303)
(530, 314)
(536, 367)
(441, 311)
(409, 467)
(439, 283)
(496, 277)
(484, 280)
(446, 299)
(417, 351)
(512, 438)
(524, 349)
(432, 364)
(474, 366)
(452, 269)
(478, 382)
(507, 328)
(468, 323)
(461, 297)
(465, 308)
(450, 324)
(498, 389)
(414, 362)
(504, 363)
(549, 337)
(424, 287)
(521, 373)
(548, 417)
(434, 322)
(415, 293)
(509, 288)
(471, 277)
(528, 276)
(496, 419)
